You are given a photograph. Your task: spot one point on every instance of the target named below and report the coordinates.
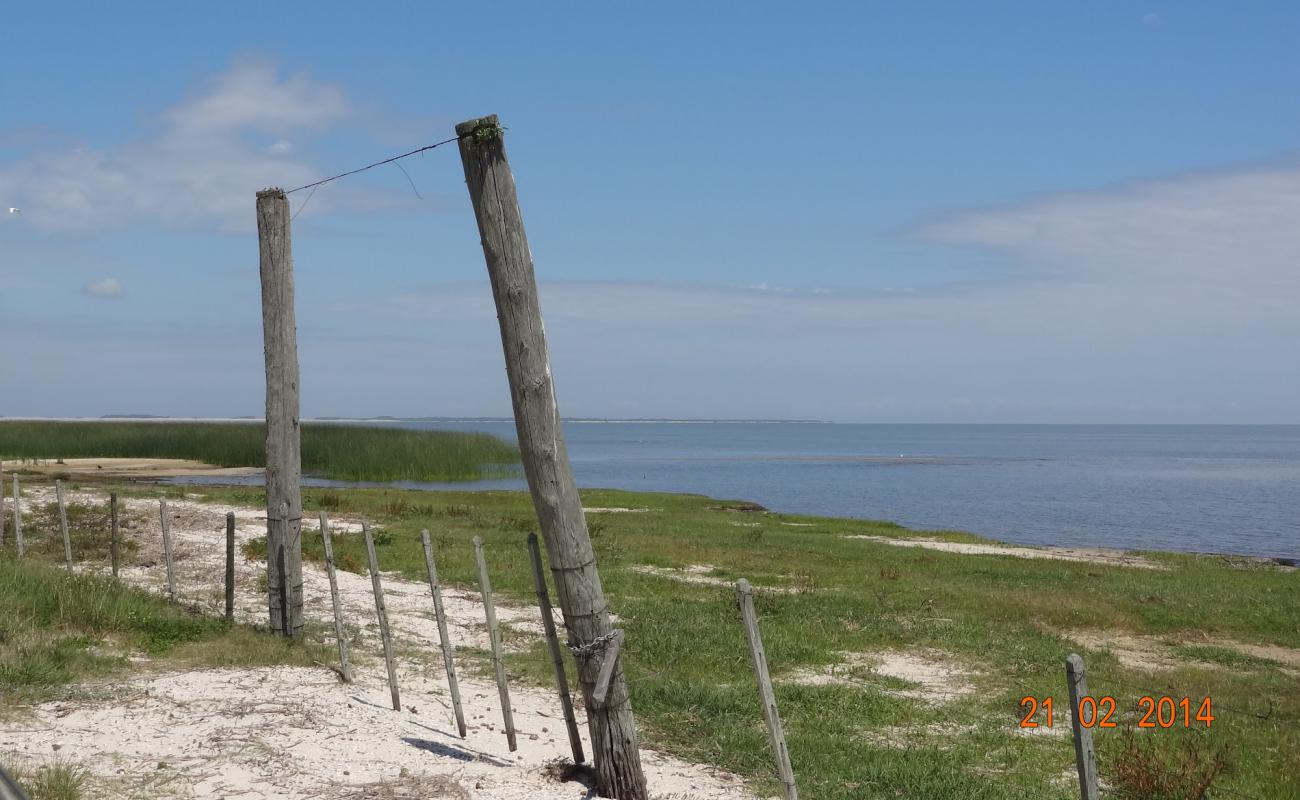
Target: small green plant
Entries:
(490, 132)
(54, 780)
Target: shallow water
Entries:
(1230, 489)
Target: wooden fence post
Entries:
(382, 612)
(167, 547)
(18, 518)
(745, 596)
(494, 636)
(1085, 756)
(557, 655)
(283, 441)
(3, 521)
(230, 566)
(340, 633)
(443, 639)
(114, 547)
(491, 187)
(63, 525)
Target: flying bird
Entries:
(15, 211)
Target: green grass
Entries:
(54, 780)
(341, 452)
(1005, 620)
(59, 628)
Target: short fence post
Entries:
(340, 634)
(494, 636)
(745, 596)
(2, 502)
(443, 638)
(1085, 755)
(167, 548)
(63, 524)
(114, 550)
(230, 566)
(557, 655)
(382, 612)
(18, 518)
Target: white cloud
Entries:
(198, 167)
(1221, 243)
(105, 287)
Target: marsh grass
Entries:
(336, 451)
(1004, 620)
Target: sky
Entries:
(994, 212)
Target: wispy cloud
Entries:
(1221, 242)
(195, 168)
(105, 287)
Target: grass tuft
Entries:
(54, 780)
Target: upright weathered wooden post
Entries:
(18, 517)
(283, 444)
(546, 461)
(381, 611)
(114, 546)
(63, 525)
(340, 633)
(553, 643)
(494, 641)
(230, 566)
(165, 519)
(1085, 755)
(444, 640)
(2, 503)
(771, 715)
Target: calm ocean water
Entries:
(1228, 489)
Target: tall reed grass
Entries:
(340, 452)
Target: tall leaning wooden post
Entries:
(283, 445)
(546, 461)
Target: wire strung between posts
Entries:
(1269, 716)
(417, 151)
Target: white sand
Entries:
(1089, 555)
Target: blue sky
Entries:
(948, 212)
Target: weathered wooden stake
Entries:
(557, 655)
(541, 443)
(3, 521)
(444, 640)
(382, 612)
(283, 443)
(775, 731)
(167, 547)
(114, 546)
(340, 633)
(230, 566)
(63, 525)
(18, 518)
(494, 636)
(1085, 756)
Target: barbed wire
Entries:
(416, 151)
(1269, 716)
